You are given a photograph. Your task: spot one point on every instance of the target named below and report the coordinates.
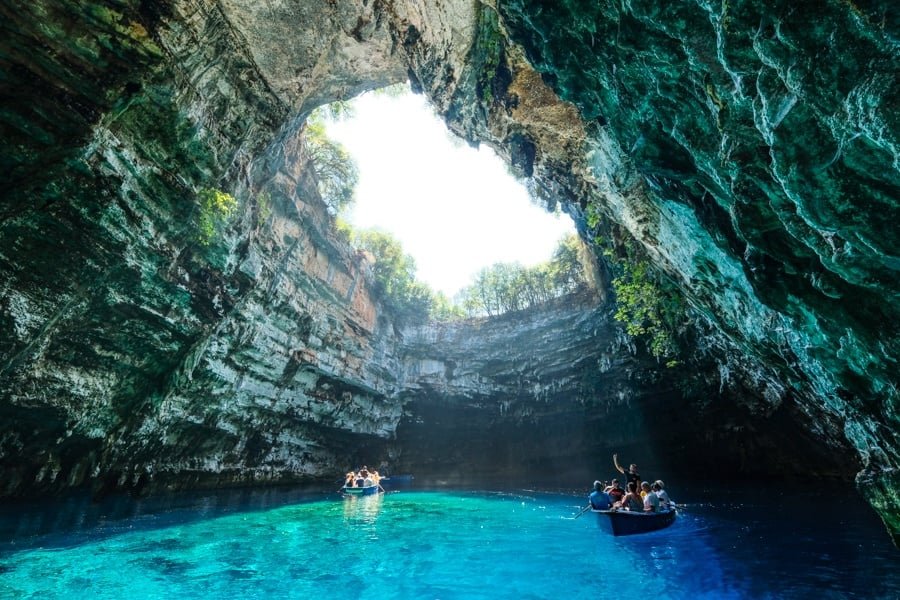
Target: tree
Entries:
(444, 309)
(566, 269)
(335, 172)
(505, 287)
(215, 208)
(395, 276)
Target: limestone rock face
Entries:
(536, 391)
(121, 331)
(750, 148)
(553, 392)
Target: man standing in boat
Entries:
(631, 475)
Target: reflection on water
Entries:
(458, 545)
(77, 518)
(759, 543)
(362, 511)
(680, 558)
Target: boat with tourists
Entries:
(626, 522)
(360, 491)
(362, 483)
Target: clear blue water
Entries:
(443, 544)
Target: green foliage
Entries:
(343, 229)
(500, 288)
(263, 208)
(505, 287)
(597, 227)
(395, 276)
(335, 172)
(339, 110)
(648, 308)
(487, 53)
(393, 91)
(592, 216)
(215, 208)
(565, 268)
(444, 309)
(393, 268)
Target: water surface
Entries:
(447, 544)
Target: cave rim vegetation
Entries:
(347, 122)
(184, 307)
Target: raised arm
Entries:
(616, 464)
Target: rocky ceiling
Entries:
(749, 148)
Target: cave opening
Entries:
(461, 211)
(457, 210)
(174, 298)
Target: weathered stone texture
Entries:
(749, 147)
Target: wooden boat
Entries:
(360, 491)
(623, 522)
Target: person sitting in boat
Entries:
(599, 499)
(366, 478)
(376, 478)
(651, 500)
(615, 492)
(659, 487)
(631, 475)
(361, 476)
(632, 500)
(350, 479)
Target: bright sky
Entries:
(454, 209)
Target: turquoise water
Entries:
(440, 544)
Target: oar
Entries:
(583, 510)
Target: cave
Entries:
(746, 153)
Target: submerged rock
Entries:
(749, 149)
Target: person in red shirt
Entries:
(615, 492)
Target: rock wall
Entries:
(752, 149)
(748, 147)
(547, 395)
(537, 391)
(120, 330)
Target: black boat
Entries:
(624, 522)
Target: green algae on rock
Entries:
(764, 146)
(748, 148)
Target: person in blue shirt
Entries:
(599, 499)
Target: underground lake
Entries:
(246, 246)
(419, 542)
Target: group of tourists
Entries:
(638, 495)
(362, 478)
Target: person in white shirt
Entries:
(367, 478)
(665, 502)
(651, 500)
